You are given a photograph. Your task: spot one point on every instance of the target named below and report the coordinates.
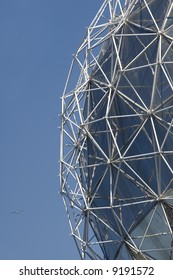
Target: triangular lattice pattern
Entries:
(117, 133)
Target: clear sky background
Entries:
(37, 40)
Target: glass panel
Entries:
(124, 253)
(142, 81)
(153, 235)
(169, 20)
(141, 15)
(168, 195)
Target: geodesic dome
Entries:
(117, 133)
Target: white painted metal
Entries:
(75, 130)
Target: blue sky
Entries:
(38, 38)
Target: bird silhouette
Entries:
(17, 212)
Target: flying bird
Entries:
(17, 212)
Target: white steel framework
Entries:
(117, 133)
